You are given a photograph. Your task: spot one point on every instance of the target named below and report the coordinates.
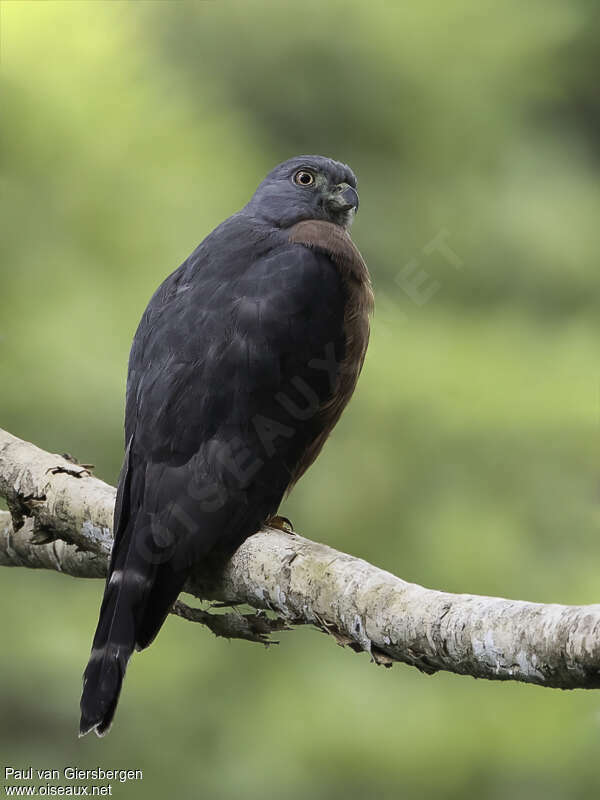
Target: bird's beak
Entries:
(343, 197)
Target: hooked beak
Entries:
(343, 197)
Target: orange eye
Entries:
(304, 178)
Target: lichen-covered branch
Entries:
(59, 504)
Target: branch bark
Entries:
(61, 518)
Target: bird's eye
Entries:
(304, 178)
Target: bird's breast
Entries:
(335, 242)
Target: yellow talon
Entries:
(280, 524)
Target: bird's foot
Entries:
(280, 524)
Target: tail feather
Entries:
(148, 567)
(101, 688)
(114, 640)
(163, 593)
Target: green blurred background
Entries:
(468, 458)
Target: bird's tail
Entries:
(113, 644)
(102, 686)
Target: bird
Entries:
(241, 365)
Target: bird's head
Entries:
(306, 187)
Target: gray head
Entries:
(306, 187)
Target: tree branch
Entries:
(61, 516)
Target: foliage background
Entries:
(467, 460)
